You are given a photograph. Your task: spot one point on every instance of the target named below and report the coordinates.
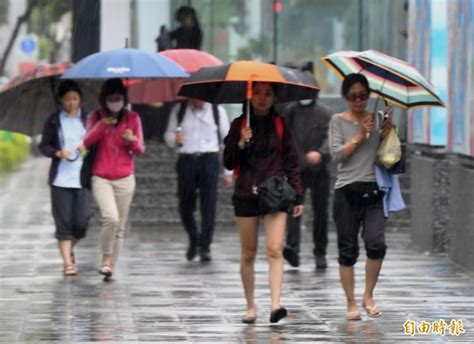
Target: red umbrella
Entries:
(152, 91)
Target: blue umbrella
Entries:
(125, 63)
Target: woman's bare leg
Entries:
(372, 271)
(65, 248)
(275, 227)
(346, 274)
(248, 229)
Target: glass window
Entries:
(305, 30)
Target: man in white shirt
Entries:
(197, 129)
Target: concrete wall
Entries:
(441, 203)
(115, 25)
(461, 210)
(429, 194)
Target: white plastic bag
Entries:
(389, 151)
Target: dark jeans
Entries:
(318, 183)
(349, 215)
(198, 172)
(71, 212)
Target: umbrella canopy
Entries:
(231, 83)
(395, 80)
(152, 91)
(28, 100)
(191, 60)
(125, 63)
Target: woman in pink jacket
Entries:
(117, 133)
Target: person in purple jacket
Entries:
(61, 140)
(268, 155)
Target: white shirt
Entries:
(199, 129)
(72, 133)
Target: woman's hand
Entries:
(367, 124)
(109, 120)
(245, 135)
(298, 210)
(128, 136)
(228, 181)
(386, 126)
(313, 157)
(81, 148)
(63, 154)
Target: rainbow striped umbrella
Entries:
(397, 81)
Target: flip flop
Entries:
(372, 311)
(105, 270)
(354, 315)
(70, 270)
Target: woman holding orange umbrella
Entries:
(269, 154)
(272, 152)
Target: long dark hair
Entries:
(185, 11)
(109, 87)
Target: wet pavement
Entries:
(157, 296)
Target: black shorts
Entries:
(247, 207)
(71, 211)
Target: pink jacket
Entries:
(114, 157)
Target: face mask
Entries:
(306, 101)
(114, 107)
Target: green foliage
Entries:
(45, 45)
(3, 11)
(44, 14)
(14, 149)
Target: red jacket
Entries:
(114, 157)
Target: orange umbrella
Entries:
(152, 91)
(232, 83)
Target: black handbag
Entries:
(275, 194)
(86, 169)
(400, 166)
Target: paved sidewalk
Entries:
(159, 297)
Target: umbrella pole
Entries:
(249, 97)
(381, 89)
(247, 109)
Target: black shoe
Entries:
(291, 256)
(278, 314)
(192, 252)
(205, 256)
(249, 319)
(321, 262)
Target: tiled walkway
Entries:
(159, 297)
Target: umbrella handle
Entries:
(249, 97)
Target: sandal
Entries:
(249, 319)
(105, 270)
(353, 315)
(70, 270)
(372, 311)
